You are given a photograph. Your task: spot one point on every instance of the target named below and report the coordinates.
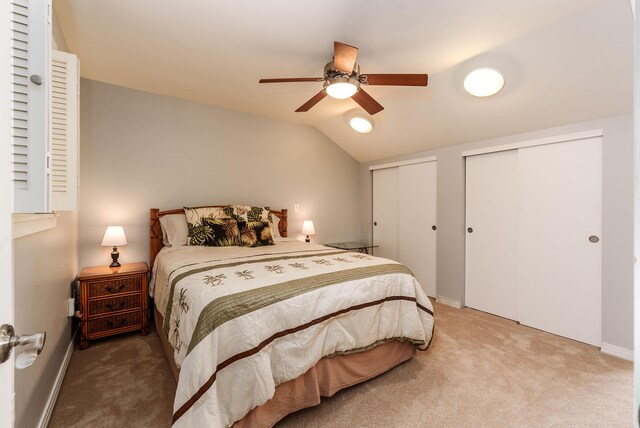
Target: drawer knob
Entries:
(120, 287)
(122, 321)
(111, 306)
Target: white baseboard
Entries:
(617, 351)
(449, 302)
(53, 396)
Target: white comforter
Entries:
(244, 320)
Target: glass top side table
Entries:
(361, 247)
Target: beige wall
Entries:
(141, 151)
(45, 266)
(617, 243)
(59, 42)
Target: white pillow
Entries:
(275, 232)
(174, 230)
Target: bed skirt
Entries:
(327, 377)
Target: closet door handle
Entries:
(375, 223)
(470, 229)
(433, 227)
(594, 239)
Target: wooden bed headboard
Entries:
(155, 231)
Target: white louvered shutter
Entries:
(64, 130)
(20, 91)
(30, 48)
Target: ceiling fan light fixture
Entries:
(342, 87)
(484, 82)
(361, 124)
(342, 79)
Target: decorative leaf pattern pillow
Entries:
(255, 233)
(250, 214)
(253, 217)
(197, 232)
(223, 232)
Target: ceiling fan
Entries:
(342, 79)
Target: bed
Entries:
(255, 333)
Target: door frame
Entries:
(7, 395)
(598, 132)
(636, 214)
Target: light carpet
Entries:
(481, 371)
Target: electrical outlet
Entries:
(71, 309)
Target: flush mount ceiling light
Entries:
(361, 124)
(484, 82)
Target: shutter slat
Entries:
(19, 150)
(19, 133)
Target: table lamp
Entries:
(114, 236)
(307, 229)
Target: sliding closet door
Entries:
(385, 212)
(491, 266)
(417, 222)
(560, 224)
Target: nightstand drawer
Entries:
(120, 285)
(114, 322)
(97, 307)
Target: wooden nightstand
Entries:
(114, 300)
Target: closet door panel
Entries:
(385, 212)
(417, 216)
(560, 208)
(491, 261)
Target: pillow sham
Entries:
(174, 230)
(250, 214)
(195, 228)
(255, 234)
(220, 232)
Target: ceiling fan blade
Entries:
(367, 102)
(313, 101)
(344, 56)
(398, 79)
(293, 79)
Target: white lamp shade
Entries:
(114, 236)
(307, 228)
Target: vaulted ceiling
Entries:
(564, 61)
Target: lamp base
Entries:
(308, 239)
(114, 256)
